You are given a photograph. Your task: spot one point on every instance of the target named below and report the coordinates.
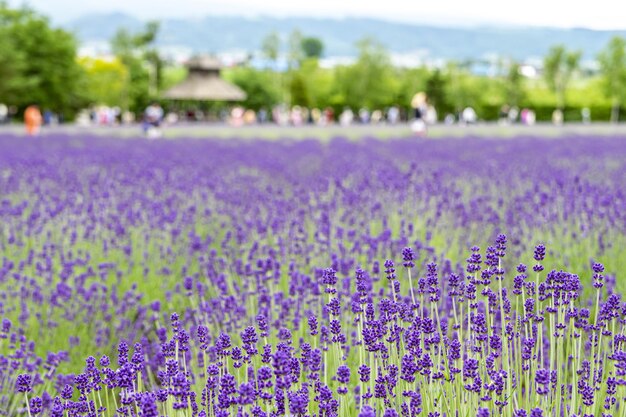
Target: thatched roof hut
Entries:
(203, 83)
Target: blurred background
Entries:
(322, 63)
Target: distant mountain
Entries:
(214, 34)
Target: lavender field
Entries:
(397, 277)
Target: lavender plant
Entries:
(469, 347)
(319, 280)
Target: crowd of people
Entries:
(419, 116)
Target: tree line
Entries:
(39, 64)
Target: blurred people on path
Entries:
(419, 105)
(4, 114)
(585, 114)
(346, 117)
(249, 117)
(364, 116)
(316, 116)
(296, 116)
(468, 116)
(527, 117)
(153, 116)
(329, 116)
(431, 115)
(32, 120)
(513, 114)
(503, 115)
(393, 115)
(236, 116)
(377, 116)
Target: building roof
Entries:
(204, 62)
(204, 83)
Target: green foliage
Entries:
(11, 68)
(270, 46)
(260, 86)
(38, 63)
(173, 75)
(514, 92)
(295, 54)
(558, 66)
(312, 47)
(106, 80)
(435, 90)
(369, 82)
(408, 82)
(298, 90)
(317, 84)
(612, 62)
(145, 67)
(462, 88)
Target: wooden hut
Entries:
(203, 83)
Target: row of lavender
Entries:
(279, 259)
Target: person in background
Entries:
(393, 115)
(236, 116)
(329, 115)
(153, 117)
(557, 117)
(585, 113)
(513, 114)
(249, 117)
(503, 116)
(32, 120)
(4, 113)
(346, 117)
(364, 116)
(262, 115)
(469, 116)
(419, 104)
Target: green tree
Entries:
(436, 90)
(38, 63)
(270, 47)
(295, 54)
(258, 85)
(514, 92)
(11, 68)
(408, 82)
(558, 66)
(138, 53)
(298, 90)
(318, 82)
(370, 80)
(462, 88)
(312, 47)
(104, 80)
(613, 69)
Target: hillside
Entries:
(216, 34)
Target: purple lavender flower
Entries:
(343, 374)
(390, 412)
(367, 411)
(23, 383)
(312, 325)
(483, 412)
(407, 257)
(598, 278)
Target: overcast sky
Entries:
(598, 14)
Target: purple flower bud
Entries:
(407, 257)
(367, 411)
(540, 253)
(23, 383)
(343, 374)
